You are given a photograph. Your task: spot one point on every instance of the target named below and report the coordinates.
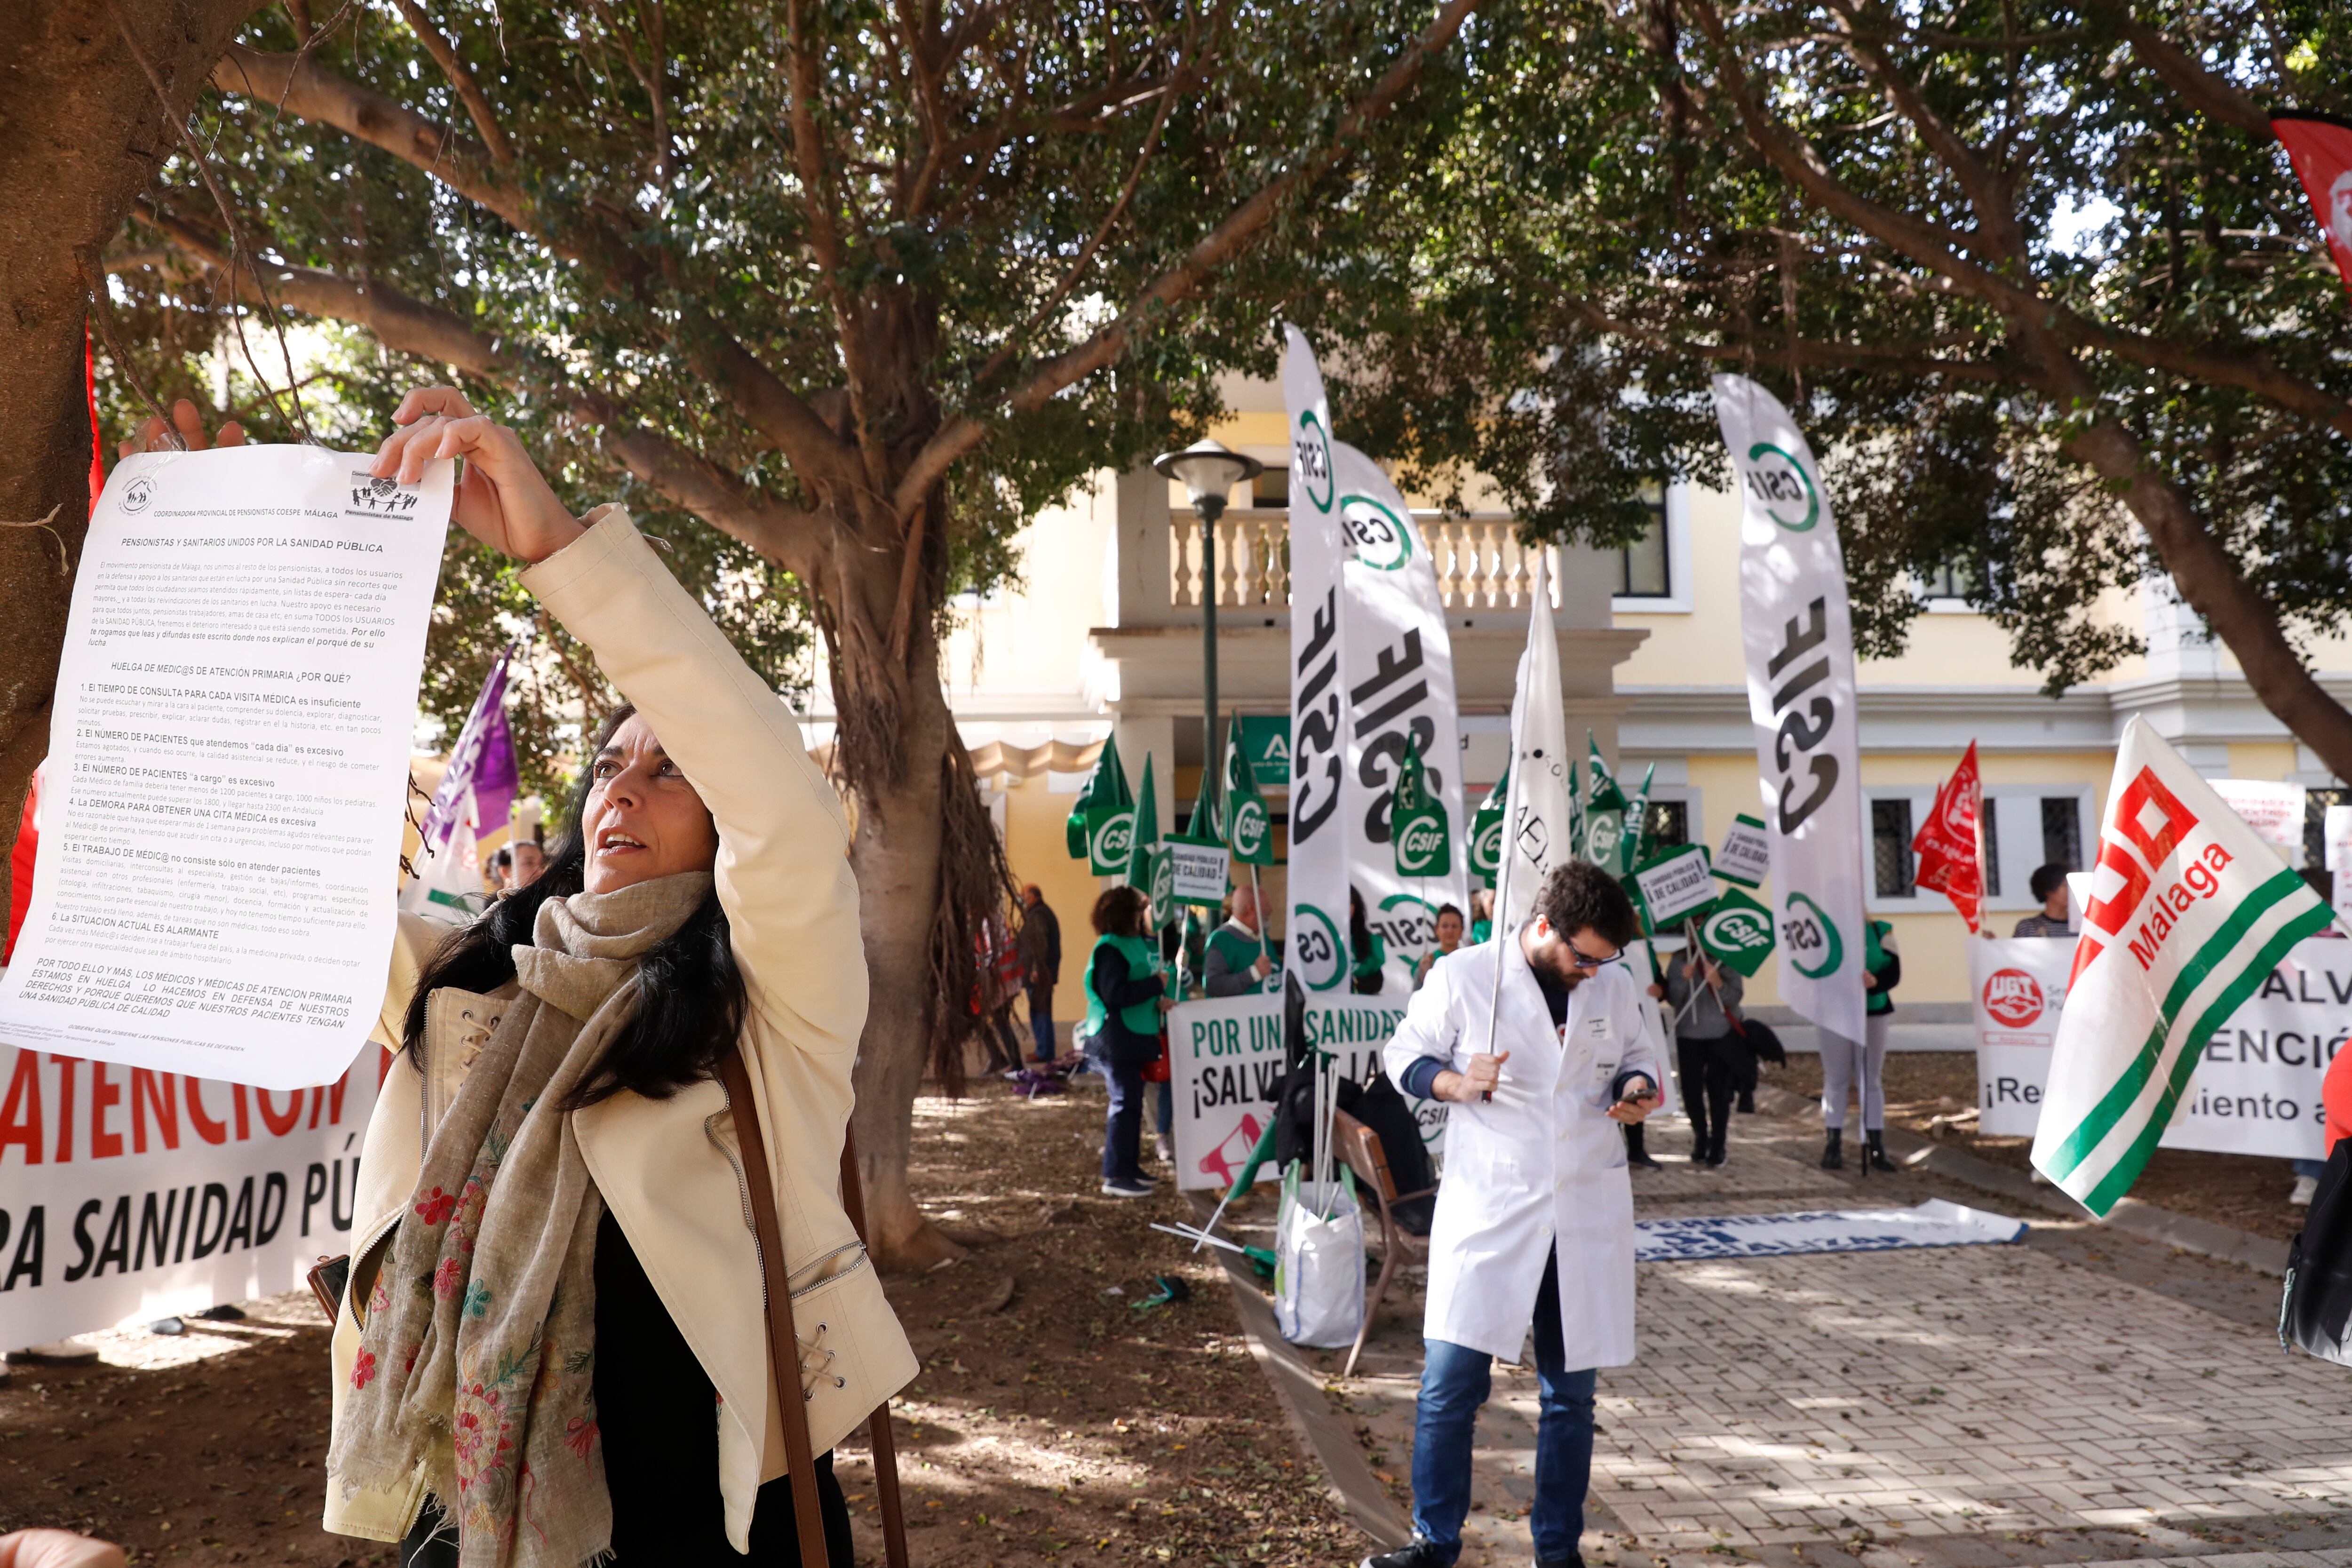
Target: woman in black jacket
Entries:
(1127, 990)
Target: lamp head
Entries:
(1208, 471)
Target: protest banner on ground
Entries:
(131, 1195)
(228, 765)
(1225, 1063)
(2255, 1089)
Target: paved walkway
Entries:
(2080, 1396)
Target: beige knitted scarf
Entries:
(478, 1358)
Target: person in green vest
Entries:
(1368, 952)
(1127, 990)
(1843, 1060)
(1481, 915)
(1449, 938)
(1239, 963)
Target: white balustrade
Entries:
(1479, 560)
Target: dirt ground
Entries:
(1053, 1419)
(2241, 1190)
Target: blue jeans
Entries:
(1453, 1384)
(1123, 1128)
(1041, 1020)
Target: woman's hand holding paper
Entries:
(502, 500)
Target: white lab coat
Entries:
(1540, 1164)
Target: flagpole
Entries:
(1510, 843)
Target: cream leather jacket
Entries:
(671, 1171)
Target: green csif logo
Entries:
(1311, 460)
(1777, 480)
(1249, 829)
(1419, 846)
(1737, 930)
(1314, 943)
(1379, 537)
(1115, 839)
(1811, 935)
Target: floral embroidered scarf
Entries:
(478, 1358)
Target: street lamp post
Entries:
(1209, 471)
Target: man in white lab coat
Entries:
(1535, 1216)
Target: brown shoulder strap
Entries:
(878, 1424)
(783, 1343)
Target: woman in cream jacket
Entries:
(706, 777)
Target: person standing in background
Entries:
(1126, 991)
(1844, 1060)
(2049, 885)
(1481, 915)
(1368, 954)
(1238, 962)
(497, 876)
(1449, 937)
(1041, 953)
(1705, 998)
(524, 861)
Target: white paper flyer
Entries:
(228, 765)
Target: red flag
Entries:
(2320, 148)
(20, 867)
(1949, 843)
(90, 389)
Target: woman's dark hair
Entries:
(691, 1000)
(1360, 930)
(1119, 913)
(2048, 880)
(1445, 910)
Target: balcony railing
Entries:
(1481, 565)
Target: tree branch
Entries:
(469, 91)
(2198, 87)
(307, 91)
(1239, 230)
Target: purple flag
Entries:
(482, 763)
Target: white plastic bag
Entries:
(1319, 1269)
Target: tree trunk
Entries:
(81, 133)
(898, 855)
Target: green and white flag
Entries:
(1249, 830)
(1101, 828)
(1738, 933)
(1746, 856)
(1417, 826)
(1637, 818)
(1485, 850)
(1604, 814)
(1148, 865)
(2189, 911)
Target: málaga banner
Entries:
(126, 1194)
(1225, 1066)
(2189, 909)
(1371, 668)
(2255, 1089)
(1799, 637)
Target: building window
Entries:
(2315, 839)
(1890, 848)
(1665, 825)
(1642, 572)
(2062, 831)
(1946, 582)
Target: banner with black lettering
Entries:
(1798, 632)
(1371, 669)
(1225, 1063)
(130, 1195)
(2255, 1086)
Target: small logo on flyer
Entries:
(139, 494)
(373, 497)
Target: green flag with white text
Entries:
(1249, 828)
(1148, 867)
(1418, 830)
(1604, 814)
(1101, 828)
(1485, 851)
(1637, 818)
(1738, 933)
